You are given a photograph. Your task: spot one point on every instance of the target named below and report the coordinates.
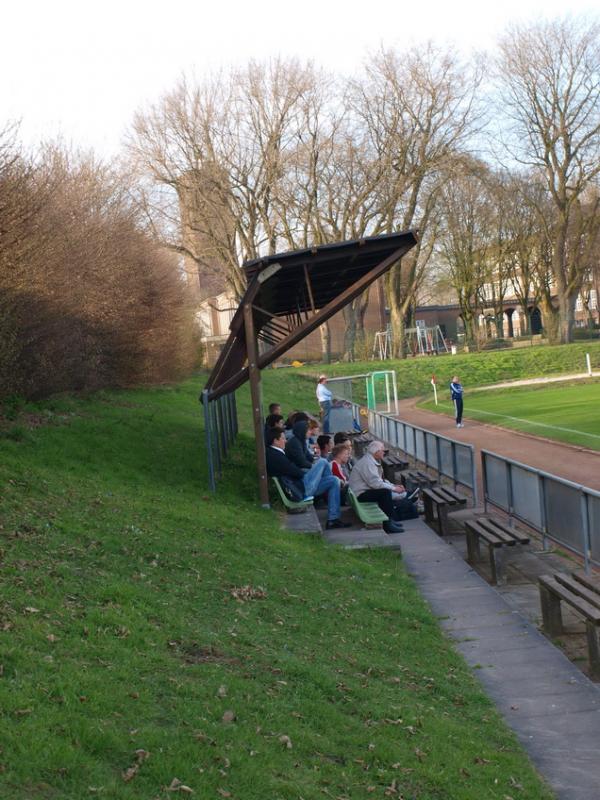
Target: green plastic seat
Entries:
(291, 505)
(368, 513)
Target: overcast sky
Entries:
(81, 69)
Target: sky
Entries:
(80, 70)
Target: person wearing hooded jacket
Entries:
(296, 448)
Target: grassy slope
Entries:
(474, 369)
(119, 631)
(568, 405)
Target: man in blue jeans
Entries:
(311, 482)
(325, 398)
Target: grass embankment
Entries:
(474, 369)
(567, 412)
(154, 637)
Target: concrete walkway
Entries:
(552, 707)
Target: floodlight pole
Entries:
(254, 379)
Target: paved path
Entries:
(567, 461)
(552, 707)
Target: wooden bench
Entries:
(496, 535)
(368, 513)
(437, 502)
(293, 506)
(393, 466)
(583, 594)
(416, 479)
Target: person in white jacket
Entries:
(369, 485)
(325, 398)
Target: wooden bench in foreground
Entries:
(393, 467)
(416, 479)
(583, 594)
(368, 513)
(496, 535)
(292, 506)
(437, 502)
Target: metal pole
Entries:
(395, 387)
(259, 434)
(474, 477)
(438, 453)
(235, 417)
(509, 493)
(543, 517)
(454, 464)
(207, 436)
(387, 392)
(215, 437)
(585, 531)
(484, 481)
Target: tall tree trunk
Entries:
(551, 320)
(566, 308)
(350, 331)
(325, 342)
(397, 311)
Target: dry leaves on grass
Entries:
(177, 786)
(244, 593)
(130, 773)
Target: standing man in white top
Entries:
(325, 397)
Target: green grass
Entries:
(474, 369)
(567, 412)
(121, 634)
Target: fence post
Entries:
(207, 439)
(543, 519)
(585, 531)
(235, 417)
(484, 482)
(509, 493)
(454, 464)
(474, 477)
(216, 447)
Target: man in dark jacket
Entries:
(311, 482)
(296, 448)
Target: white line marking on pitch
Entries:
(540, 424)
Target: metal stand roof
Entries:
(288, 296)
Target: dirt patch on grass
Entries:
(194, 653)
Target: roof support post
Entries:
(254, 378)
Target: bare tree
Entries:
(550, 78)
(418, 109)
(466, 244)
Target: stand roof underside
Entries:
(291, 294)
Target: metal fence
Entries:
(220, 430)
(565, 512)
(447, 457)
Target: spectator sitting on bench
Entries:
(275, 408)
(273, 421)
(293, 417)
(314, 482)
(297, 449)
(325, 445)
(342, 438)
(368, 484)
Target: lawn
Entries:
(567, 412)
(157, 641)
(475, 369)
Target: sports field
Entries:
(566, 412)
